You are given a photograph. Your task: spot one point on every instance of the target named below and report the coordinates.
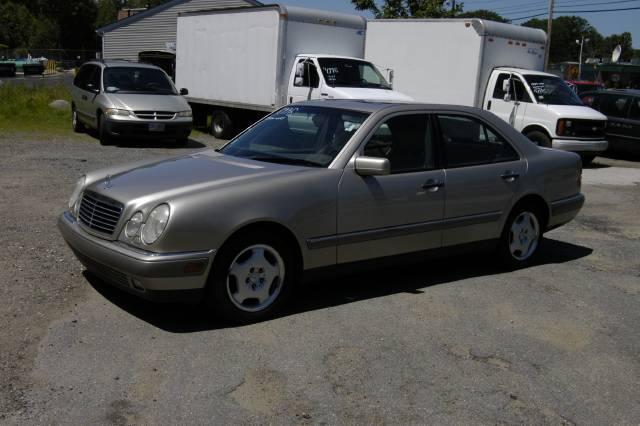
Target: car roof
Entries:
(631, 92)
(121, 63)
(371, 106)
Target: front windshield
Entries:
(299, 135)
(551, 90)
(341, 72)
(137, 80)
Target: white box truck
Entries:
(240, 64)
(489, 65)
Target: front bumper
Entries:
(581, 146)
(172, 129)
(166, 276)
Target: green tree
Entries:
(107, 12)
(15, 24)
(610, 43)
(409, 8)
(482, 14)
(565, 36)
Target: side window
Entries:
(634, 114)
(94, 80)
(614, 105)
(518, 91)
(498, 93)
(310, 76)
(82, 76)
(469, 142)
(407, 141)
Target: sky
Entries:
(606, 23)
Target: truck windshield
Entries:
(341, 72)
(298, 135)
(137, 80)
(551, 90)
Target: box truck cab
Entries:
(488, 65)
(240, 64)
(544, 108)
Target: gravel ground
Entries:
(428, 343)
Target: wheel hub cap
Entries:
(524, 235)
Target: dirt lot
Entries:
(454, 341)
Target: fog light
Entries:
(194, 268)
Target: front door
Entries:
(511, 108)
(398, 213)
(482, 175)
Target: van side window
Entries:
(614, 105)
(310, 76)
(517, 89)
(82, 77)
(407, 141)
(94, 80)
(469, 142)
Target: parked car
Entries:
(313, 185)
(622, 108)
(127, 99)
(580, 86)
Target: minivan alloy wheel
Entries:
(255, 278)
(524, 236)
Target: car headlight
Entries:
(75, 195)
(112, 112)
(155, 224)
(565, 127)
(133, 225)
(184, 114)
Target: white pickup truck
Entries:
(240, 64)
(489, 65)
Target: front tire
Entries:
(252, 278)
(587, 159)
(539, 138)
(521, 237)
(103, 133)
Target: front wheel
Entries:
(103, 133)
(77, 126)
(587, 159)
(521, 237)
(251, 278)
(539, 138)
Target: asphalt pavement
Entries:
(453, 341)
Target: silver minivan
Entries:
(129, 100)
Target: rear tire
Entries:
(521, 237)
(539, 138)
(77, 126)
(221, 125)
(252, 278)
(103, 133)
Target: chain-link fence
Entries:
(52, 59)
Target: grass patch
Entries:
(26, 108)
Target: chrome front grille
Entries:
(155, 115)
(99, 212)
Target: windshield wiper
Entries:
(287, 160)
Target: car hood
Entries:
(576, 111)
(142, 102)
(201, 171)
(369, 94)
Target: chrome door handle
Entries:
(432, 185)
(510, 176)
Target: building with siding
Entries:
(154, 29)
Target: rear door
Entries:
(483, 173)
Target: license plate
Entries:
(156, 127)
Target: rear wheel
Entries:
(78, 127)
(521, 237)
(221, 125)
(251, 278)
(539, 138)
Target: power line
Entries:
(535, 9)
(577, 11)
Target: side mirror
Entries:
(298, 81)
(93, 89)
(184, 91)
(507, 97)
(506, 85)
(372, 166)
(299, 69)
(391, 77)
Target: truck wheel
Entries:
(539, 138)
(521, 237)
(252, 277)
(221, 125)
(78, 127)
(587, 159)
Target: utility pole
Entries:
(548, 46)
